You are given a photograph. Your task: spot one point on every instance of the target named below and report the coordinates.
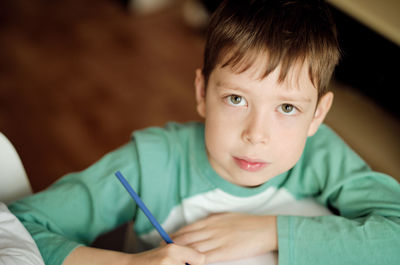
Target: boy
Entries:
(218, 187)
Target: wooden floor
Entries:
(77, 77)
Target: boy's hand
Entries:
(171, 254)
(229, 236)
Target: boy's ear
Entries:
(323, 107)
(200, 87)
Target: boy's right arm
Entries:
(167, 254)
(81, 206)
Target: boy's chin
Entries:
(253, 186)
(248, 184)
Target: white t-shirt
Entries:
(16, 244)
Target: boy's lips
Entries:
(250, 164)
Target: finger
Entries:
(191, 227)
(226, 252)
(214, 255)
(200, 224)
(207, 245)
(222, 254)
(186, 238)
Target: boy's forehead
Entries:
(255, 65)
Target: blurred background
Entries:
(77, 77)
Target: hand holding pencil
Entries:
(168, 254)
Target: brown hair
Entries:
(288, 31)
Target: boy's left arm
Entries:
(366, 226)
(365, 230)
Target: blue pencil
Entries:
(143, 207)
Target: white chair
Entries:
(16, 244)
(14, 183)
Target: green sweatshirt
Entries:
(169, 169)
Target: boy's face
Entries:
(256, 129)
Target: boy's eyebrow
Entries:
(221, 84)
(295, 98)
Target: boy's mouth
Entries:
(249, 164)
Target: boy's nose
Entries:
(256, 131)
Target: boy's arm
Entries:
(168, 255)
(79, 207)
(365, 231)
(366, 226)
(87, 255)
(338, 240)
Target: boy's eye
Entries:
(288, 109)
(236, 100)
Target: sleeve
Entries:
(80, 206)
(16, 244)
(365, 227)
